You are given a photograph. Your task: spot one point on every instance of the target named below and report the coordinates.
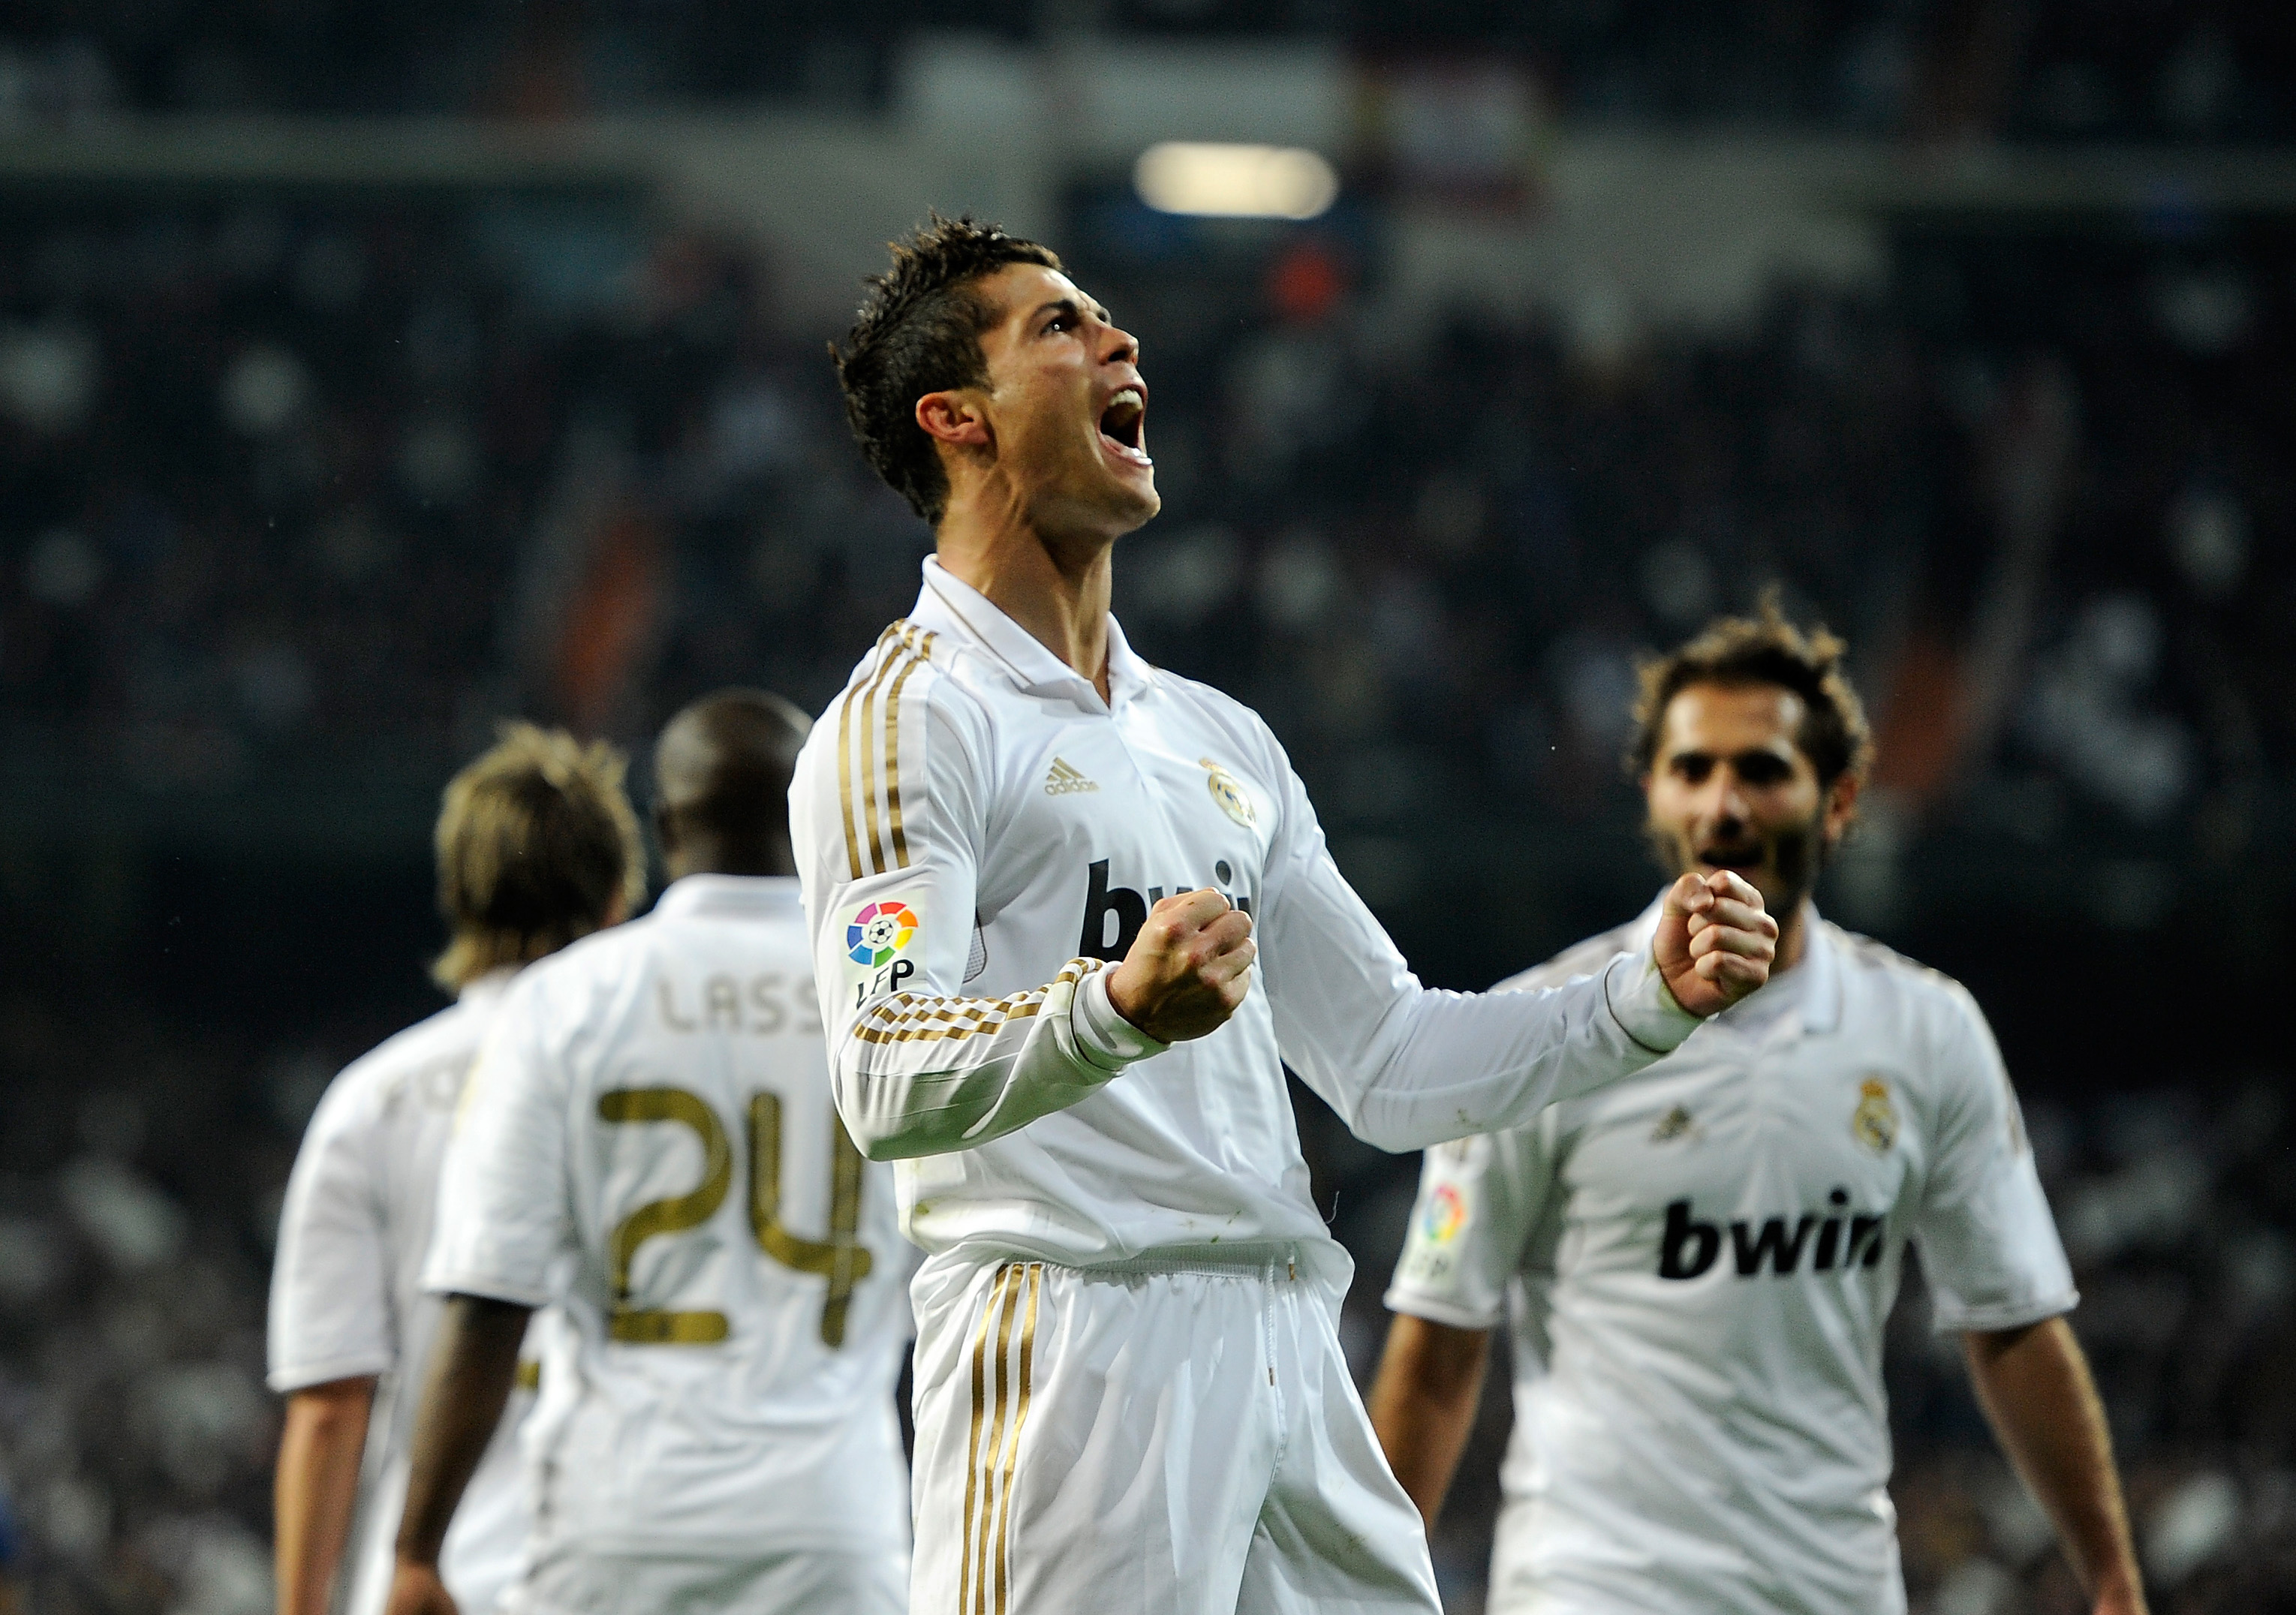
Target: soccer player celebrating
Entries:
(1038, 873)
(537, 846)
(1699, 1260)
(716, 1429)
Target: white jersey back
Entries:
(655, 1101)
(1700, 1261)
(347, 1299)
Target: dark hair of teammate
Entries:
(1761, 650)
(537, 846)
(721, 780)
(919, 332)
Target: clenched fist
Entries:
(1714, 943)
(1188, 969)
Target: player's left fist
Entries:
(1715, 942)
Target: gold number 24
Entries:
(840, 1258)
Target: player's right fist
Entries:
(1187, 969)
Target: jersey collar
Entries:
(949, 605)
(1821, 1003)
(729, 896)
(481, 991)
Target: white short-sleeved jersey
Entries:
(979, 834)
(346, 1298)
(1699, 1263)
(653, 1101)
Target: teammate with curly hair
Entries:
(1698, 1262)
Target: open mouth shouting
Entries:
(1743, 859)
(1124, 426)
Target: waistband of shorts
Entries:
(1277, 1260)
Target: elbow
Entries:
(1399, 1131)
(882, 1136)
(888, 1146)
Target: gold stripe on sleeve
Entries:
(945, 1034)
(922, 654)
(845, 761)
(896, 656)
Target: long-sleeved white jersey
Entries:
(980, 835)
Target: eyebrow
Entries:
(1069, 306)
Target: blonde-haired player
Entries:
(537, 846)
(717, 1430)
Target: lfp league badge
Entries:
(877, 938)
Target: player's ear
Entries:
(953, 417)
(1840, 808)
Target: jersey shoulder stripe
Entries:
(868, 750)
(1579, 959)
(1861, 953)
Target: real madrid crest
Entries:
(1228, 791)
(1875, 1122)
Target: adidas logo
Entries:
(1066, 778)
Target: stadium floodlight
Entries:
(1221, 181)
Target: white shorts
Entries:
(1165, 1438)
(821, 1582)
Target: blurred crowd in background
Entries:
(2053, 68)
(301, 492)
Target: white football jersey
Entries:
(1699, 1263)
(980, 835)
(653, 1101)
(347, 1297)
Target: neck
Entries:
(1057, 589)
(1794, 936)
(712, 856)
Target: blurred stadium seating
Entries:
(321, 447)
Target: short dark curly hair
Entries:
(1761, 650)
(919, 332)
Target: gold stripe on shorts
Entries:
(1000, 1406)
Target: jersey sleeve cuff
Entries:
(302, 1377)
(1643, 1006)
(1411, 1304)
(486, 1289)
(1104, 1037)
(2002, 1315)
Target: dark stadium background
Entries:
(370, 373)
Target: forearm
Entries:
(917, 1075)
(1423, 1402)
(1460, 1063)
(2035, 1387)
(473, 1363)
(316, 1488)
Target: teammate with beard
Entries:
(1697, 1263)
(1039, 873)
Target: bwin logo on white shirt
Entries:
(1689, 1248)
(1114, 914)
